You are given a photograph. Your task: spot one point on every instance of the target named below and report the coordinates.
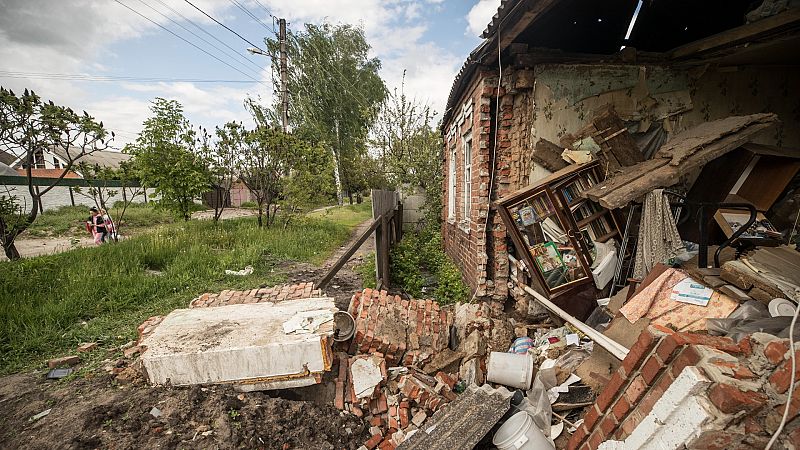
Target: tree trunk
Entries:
(10, 249)
(260, 215)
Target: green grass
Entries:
(350, 215)
(44, 300)
(69, 220)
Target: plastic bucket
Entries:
(520, 433)
(344, 326)
(510, 369)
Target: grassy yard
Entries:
(350, 215)
(50, 304)
(69, 220)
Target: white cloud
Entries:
(480, 15)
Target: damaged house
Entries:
(627, 75)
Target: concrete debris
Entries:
(57, 374)
(87, 347)
(155, 412)
(40, 415)
(248, 270)
(265, 294)
(244, 344)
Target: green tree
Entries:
(169, 156)
(224, 157)
(409, 149)
(28, 127)
(263, 163)
(335, 93)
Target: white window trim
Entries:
(451, 185)
(467, 143)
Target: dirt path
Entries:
(227, 213)
(96, 411)
(346, 281)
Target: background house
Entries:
(547, 66)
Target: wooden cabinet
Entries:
(555, 229)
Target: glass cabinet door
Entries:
(549, 239)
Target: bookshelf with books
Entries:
(554, 228)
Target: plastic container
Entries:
(510, 369)
(344, 325)
(520, 433)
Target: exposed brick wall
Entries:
(483, 258)
(744, 395)
(407, 332)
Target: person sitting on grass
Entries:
(110, 229)
(98, 225)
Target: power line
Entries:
(198, 36)
(184, 39)
(220, 24)
(111, 78)
(252, 16)
(210, 34)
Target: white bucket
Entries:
(520, 433)
(510, 369)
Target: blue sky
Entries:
(44, 43)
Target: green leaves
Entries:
(170, 157)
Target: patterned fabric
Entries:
(653, 302)
(659, 241)
(521, 345)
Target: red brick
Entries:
(387, 445)
(620, 408)
(373, 441)
(746, 345)
(781, 378)
(635, 390)
(730, 399)
(610, 391)
(607, 426)
(595, 439)
(64, 361)
(654, 393)
(687, 357)
(775, 350)
(445, 379)
(591, 417)
(356, 411)
(577, 438)
(404, 418)
(637, 353)
(666, 348)
(376, 421)
(715, 440)
(631, 422)
(651, 367)
(751, 426)
(339, 399)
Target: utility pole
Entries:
(284, 88)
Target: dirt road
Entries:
(97, 411)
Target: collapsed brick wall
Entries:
(407, 332)
(277, 293)
(744, 397)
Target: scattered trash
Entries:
(40, 415)
(248, 270)
(510, 369)
(56, 374)
(520, 433)
(155, 412)
(307, 322)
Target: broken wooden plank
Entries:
(627, 175)
(738, 274)
(548, 155)
(347, 254)
(686, 143)
(617, 138)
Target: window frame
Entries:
(452, 185)
(467, 150)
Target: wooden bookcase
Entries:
(554, 228)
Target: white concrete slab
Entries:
(238, 343)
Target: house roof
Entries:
(7, 158)
(7, 171)
(47, 173)
(102, 158)
(678, 30)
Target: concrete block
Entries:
(238, 343)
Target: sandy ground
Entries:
(30, 247)
(98, 411)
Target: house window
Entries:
(56, 164)
(451, 190)
(38, 160)
(467, 176)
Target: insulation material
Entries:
(654, 303)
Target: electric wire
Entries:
(185, 40)
(227, 55)
(222, 24)
(252, 16)
(110, 78)
(235, 51)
